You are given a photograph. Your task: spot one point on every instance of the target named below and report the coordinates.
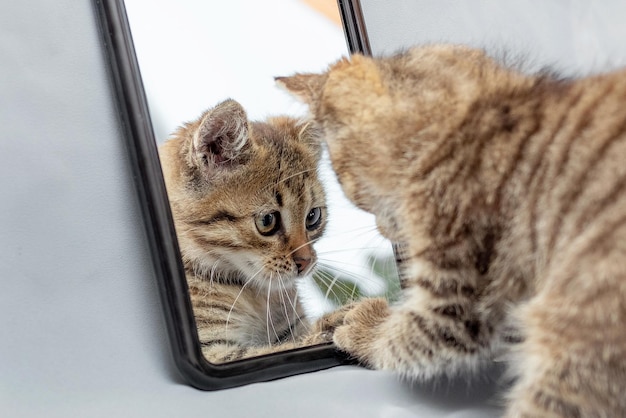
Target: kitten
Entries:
(247, 205)
(507, 195)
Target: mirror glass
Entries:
(193, 55)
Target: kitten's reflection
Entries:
(247, 205)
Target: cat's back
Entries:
(580, 183)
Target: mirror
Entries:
(194, 55)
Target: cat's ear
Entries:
(307, 87)
(222, 136)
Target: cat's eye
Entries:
(268, 224)
(314, 219)
(180, 84)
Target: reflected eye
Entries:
(268, 223)
(314, 219)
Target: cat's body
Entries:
(507, 193)
(247, 205)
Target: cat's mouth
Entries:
(275, 275)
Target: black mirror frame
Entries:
(134, 116)
(354, 27)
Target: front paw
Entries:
(323, 329)
(360, 329)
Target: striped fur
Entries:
(226, 177)
(507, 195)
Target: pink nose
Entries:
(302, 263)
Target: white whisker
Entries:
(343, 250)
(269, 320)
(334, 284)
(281, 286)
(294, 305)
(248, 280)
(354, 277)
(282, 180)
(301, 246)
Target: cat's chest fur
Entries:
(246, 316)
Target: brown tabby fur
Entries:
(507, 195)
(222, 173)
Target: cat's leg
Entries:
(435, 329)
(573, 360)
(323, 328)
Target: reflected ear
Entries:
(222, 137)
(307, 87)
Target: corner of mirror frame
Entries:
(136, 126)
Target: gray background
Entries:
(572, 36)
(82, 332)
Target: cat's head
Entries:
(245, 196)
(381, 115)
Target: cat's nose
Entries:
(302, 263)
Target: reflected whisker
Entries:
(370, 234)
(356, 278)
(343, 250)
(343, 289)
(334, 285)
(282, 287)
(267, 312)
(248, 280)
(368, 228)
(213, 270)
(269, 320)
(359, 243)
(303, 245)
(331, 287)
(326, 275)
(282, 180)
(332, 264)
(294, 305)
(295, 310)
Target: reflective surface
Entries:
(193, 55)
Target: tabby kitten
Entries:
(507, 195)
(247, 206)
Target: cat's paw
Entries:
(323, 329)
(330, 321)
(359, 330)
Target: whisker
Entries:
(333, 282)
(303, 245)
(359, 229)
(213, 271)
(282, 287)
(324, 276)
(294, 305)
(269, 320)
(343, 250)
(282, 180)
(330, 287)
(248, 280)
(358, 279)
(346, 272)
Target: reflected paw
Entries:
(360, 329)
(323, 329)
(330, 321)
